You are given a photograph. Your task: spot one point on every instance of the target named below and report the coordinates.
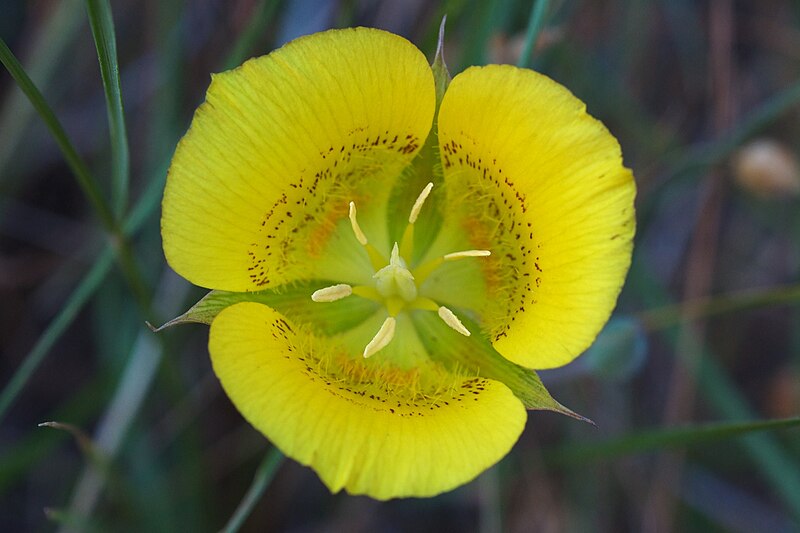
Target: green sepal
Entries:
(476, 354)
(425, 168)
(441, 76)
(292, 300)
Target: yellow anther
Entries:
(422, 272)
(418, 204)
(356, 228)
(332, 293)
(382, 338)
(452, 320)
(467, 253)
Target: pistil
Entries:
(395, 279)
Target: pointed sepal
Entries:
(327, 318)
(476, 354)
(441, 76)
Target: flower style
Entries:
(392, 255)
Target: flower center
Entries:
(395, 279)
(396, 286)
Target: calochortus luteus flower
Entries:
(393, 252)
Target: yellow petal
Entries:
(279, 148)
(361, 425)
(536, 180)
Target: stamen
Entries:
(332, 293)
(452, 320)
(356, 228)
(467, 253)
(418, 204)
(422, 272)
(382, 338)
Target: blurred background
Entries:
(703, 96)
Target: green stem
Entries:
(654, 440)
(46, 50)
(136, 380)
(670, 315)
(722, 395)
(140, 213)
(76, 164)
(102, 24)
(264, 475)
(85, 180)
(535, 23)
(133, 276)
(700, 158)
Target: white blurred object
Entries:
(766, 168)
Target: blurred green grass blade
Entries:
(125, 256)
(71, 522)
(655, 440)
(778, 467)
(264, 474)
(756, 121)
(699, 159)
(130, 392)
(140, 213)
(535, 24)
(55, 329)
(147, 203)
(83, 441)
(243, 47)
(671, 315)
(105, 41)
(151, 491)
(76, 164)
(52, 41)
(485, 19)
(141, 368)
(20, 456)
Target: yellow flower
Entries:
(388, 267)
